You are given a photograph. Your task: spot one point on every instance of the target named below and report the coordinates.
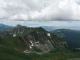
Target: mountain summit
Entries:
(28, 39)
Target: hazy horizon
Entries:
(56, 24)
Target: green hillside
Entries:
(14, 42)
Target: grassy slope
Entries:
(8, 51)
(11, 54)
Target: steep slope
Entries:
(26, 43)
(71, 36)
(26, 39)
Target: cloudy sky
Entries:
(59, 13)
(40, 9)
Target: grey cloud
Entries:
(77, 1)
(40, 9)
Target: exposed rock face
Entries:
(41, 40)
(34, 39)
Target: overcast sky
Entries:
(13, 12)
(40, 9)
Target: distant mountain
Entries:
(48, 28)
(4, 27)
(52, 28)
(71, 36)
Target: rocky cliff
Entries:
(33, 39)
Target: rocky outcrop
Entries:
(34, 39)
(42, 41)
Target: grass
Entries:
(11, 54)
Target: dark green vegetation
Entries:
(71, 36)
(10, 54)
(40, 45)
